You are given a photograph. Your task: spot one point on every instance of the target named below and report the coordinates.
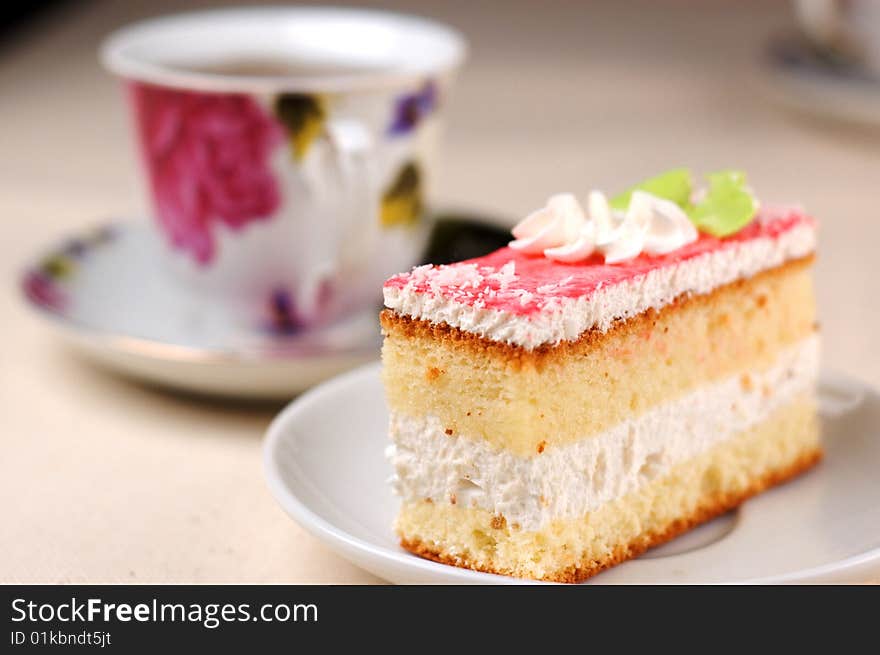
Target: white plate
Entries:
(108, 294)
(795, 78)
(325, 464)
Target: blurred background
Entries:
(556, 96)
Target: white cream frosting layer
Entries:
(565, 319)
(569, 481)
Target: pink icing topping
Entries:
(522, 284)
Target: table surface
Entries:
(105, 480)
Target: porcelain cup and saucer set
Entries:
(288, 157)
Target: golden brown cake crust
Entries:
(711, 507)
(642, 324)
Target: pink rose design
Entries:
(43, 291)
(207, 156)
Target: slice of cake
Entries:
(615, 376)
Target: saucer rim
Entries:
(166, 351)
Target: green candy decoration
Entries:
(675, 185)
(727, 207)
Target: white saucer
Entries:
(326, 467)
(799, 79)
(108, 295)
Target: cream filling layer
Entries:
(569, 481)
(565, 319)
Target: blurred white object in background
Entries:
(831, 67)
(852, 26)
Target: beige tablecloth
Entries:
(104, 480)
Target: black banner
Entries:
(171, 618)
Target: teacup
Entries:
(847, 29)
(288, 152)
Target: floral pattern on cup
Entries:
(282, 314)
(304, 117)
(217, 160)
(207, 159)
(284, 317)
(403, 202)
(42, 291)
(43, 283)
(411, 108)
